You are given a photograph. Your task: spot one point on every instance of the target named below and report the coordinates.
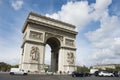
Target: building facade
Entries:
(105, 66)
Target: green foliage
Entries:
(46, 69)
(118, 68)
(15, 66)
(83, 69)
(6, 67)
(110, 69)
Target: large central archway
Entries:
(54, 43)
(40, 30)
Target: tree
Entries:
(83, 69)
(6, 67)
(15, 66)
(117, 68)
(110, 69)
(46, 69)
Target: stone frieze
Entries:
(36, 35)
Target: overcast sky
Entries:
(97, 22)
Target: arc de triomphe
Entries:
(40, 30)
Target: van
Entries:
(17, 71)
(92, 71)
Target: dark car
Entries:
(86, 74)
(79, 74)
(116, 74)
(96, 73)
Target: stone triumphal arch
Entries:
(40, 30)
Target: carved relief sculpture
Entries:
(69, 42)
(36, 35)
(70, 58)
(34, 54)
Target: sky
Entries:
(97, 23)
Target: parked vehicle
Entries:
(96, 73)
(92, 71)
(17, 71)
(87, 74)
(115, 73)
(77, 74)
(118, 73)
(105, 73)
(49, 73)
(80, 74)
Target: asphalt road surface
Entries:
(6, 76)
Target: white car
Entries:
(49, 73)
(105, 73)
(17, 71)
(92, 71)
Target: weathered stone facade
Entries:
(40, 30)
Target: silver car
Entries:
(105, 73)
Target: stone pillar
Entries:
(20, 64)
(54, 61)
(61, 60)
(66, 61)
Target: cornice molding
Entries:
(70, 48)
(29, 41)
(49, 22)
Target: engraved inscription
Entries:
(36, 35)
(70, 58)
(34, 53)
(69, 42)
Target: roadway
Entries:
(6, 76)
